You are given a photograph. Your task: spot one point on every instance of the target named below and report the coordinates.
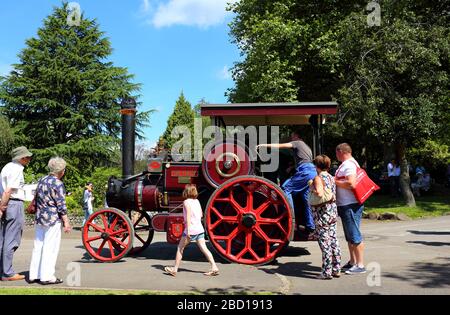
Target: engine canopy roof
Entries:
(274, 114)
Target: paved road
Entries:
(412, 257)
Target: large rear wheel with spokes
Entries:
(249, 220)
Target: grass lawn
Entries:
(41, 291)
(51, 291)
(426, 206)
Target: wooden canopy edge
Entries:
(272, 109)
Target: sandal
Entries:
(57, 281)
(170, 271)
(212, 273)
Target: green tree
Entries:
(182, 116)
(391, 81)
(395, 76)
(63, 97)
(280, 42)
(6, 140)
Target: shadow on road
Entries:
(161, 267)
(429, 243)
(429, 232)
(427, 275)
(295, 269)
(290, 251)
(166, 251)
(235, 289)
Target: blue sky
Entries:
(169, 45)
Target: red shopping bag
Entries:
(364, 186)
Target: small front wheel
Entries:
(108, 235)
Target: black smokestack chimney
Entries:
(128, 111)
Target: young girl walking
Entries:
(325, 218)
(193, 231)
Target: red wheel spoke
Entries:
(248, 245)
(105, 222)
(114, 222)
(231, 219)
(222, 200)
(249, 204)
(241, 253)
(99, 250)
(99, 229)
(111, 250)
(235, 204)
(266, 237)
(248, 239)
(262, 207)
(213, 226)
(118, 232)
(268, 221)
(282, 228)
(217, 212)
(226, 237)
(283, 215)
(261, 233)
(113, 239)
(227, 219)
(230, 238)
(220, 237)
(93, 238)
(251, 251)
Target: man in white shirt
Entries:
(394, 177)
(349, 209)
(11, 211)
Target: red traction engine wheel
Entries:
(249, 220)
(108, 235)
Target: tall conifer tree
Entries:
(63, 97)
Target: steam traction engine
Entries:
(247, 217)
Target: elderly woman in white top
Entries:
(51, 210)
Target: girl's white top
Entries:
(195, 226)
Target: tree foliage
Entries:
(63, 97)
(281, 42)
(391, 81)
(183, 115)
(6, 140)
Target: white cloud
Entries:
(199, 13)
(145, 6)
(5, 69)
(224, 74)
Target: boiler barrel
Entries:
(132, 196)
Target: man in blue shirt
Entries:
(297, 185)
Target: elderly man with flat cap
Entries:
(12, 211)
